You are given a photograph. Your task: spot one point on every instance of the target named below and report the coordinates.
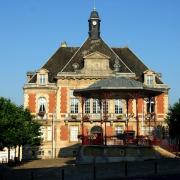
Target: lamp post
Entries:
(150, 114)
(53, 141)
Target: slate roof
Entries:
(116, 82)
(121, 86)
(89, 47)
(57, 62)
(65, 57)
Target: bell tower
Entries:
(94, 25)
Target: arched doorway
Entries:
(97, 135)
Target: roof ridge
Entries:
(74, 55)
(117, 56)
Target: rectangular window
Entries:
(105, 106)
(41, 153)
(96, 106)
(74, 105)
(118, 106)
(119, 130)
(150, 106)
(49, 133)
(49, 153)
(43, 133)
(42, 79)
(87, 106)
(149, 80)
(73, 133)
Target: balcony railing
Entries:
(38, 116)
(96, 117)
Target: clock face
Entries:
(94, 23)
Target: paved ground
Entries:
(46, 163)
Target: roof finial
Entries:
(94, 8)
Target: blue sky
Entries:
(32, 30)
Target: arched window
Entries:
(42, 105)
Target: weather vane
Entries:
(94, 5)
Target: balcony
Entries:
(110, 117)
(41, 116)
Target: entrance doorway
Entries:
(97, 135)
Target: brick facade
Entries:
(140, 105)
(63, 100)
(160, 104)
(77, 68)
(52, 102)
(64, 134)
(32, 102)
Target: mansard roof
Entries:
(65, 57)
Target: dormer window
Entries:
(149, 80)
(42, 79)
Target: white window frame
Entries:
(74, 106)
(96, 106)
(49, 133)
(119, 130)
(74, 131)
(42, 104)
(87, 107)
(118, 106)
(42, 79)
(149, 80)
(107, 106)
(74, 103)
(43, 133)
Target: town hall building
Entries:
(49, 95)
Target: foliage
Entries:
(16, 125)
(119, 116)
(173, 120)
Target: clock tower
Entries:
(94, 25)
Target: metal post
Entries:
(127, 120)
(105, 119)
(150, 115)
(101, 118)
(155, 132)
(127, 109)
(52, 135)
(143, 130)
(137, 121)
(82, 123)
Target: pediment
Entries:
(42, 70)
(96, 63)
(149, 72)
(96, 55)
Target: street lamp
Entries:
(53, 140)
(150, 111)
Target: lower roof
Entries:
(118, 88)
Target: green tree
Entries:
(173, 121)
(7, 117)
(29, 131)
(17, 126)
